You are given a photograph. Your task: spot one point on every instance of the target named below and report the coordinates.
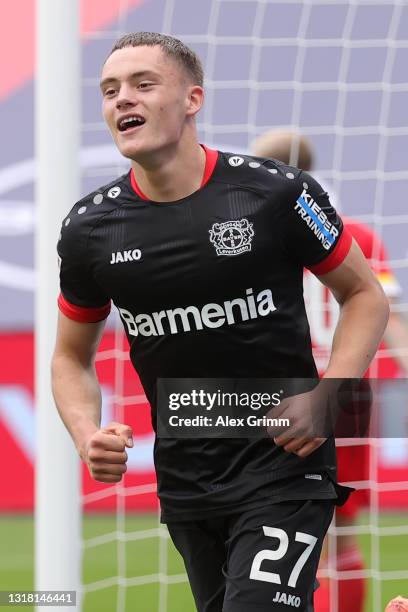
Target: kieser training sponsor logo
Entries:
(123, 256)
(316, 219)
(190, 318)
(232, 237)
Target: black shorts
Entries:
(256, 561)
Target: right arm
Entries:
(78, 398)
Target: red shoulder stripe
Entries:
(81, 314)
(336, 257)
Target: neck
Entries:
(173, 175)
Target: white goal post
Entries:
(334, 70)
(57, 511)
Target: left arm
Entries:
(364, 312)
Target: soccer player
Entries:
(202, 253)
(323, 314)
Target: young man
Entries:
(202, 252)
(322, 313)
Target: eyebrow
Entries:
(135, 75)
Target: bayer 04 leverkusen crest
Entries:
(232, 237)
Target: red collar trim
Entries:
(135, 186)
(211, 157)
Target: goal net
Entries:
(334, 71)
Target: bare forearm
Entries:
(396, 338)
(363, 318)
(78, 398)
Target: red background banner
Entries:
(17, 430)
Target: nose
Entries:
(125, 98)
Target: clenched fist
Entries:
(105, 452)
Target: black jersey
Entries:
(210, 286)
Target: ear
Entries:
(195, 100)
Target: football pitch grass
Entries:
(142, 559)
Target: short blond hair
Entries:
(171, 47)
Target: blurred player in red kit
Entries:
(322, 310)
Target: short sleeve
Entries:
(81, 298)
(315, 235)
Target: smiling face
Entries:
(148, 100)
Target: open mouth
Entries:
(130, 122)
